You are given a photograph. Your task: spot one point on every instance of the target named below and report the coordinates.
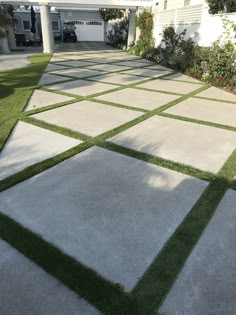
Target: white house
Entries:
(86, 24)
(191, 15)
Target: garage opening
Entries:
(91, 30)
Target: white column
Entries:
(132, 27)
(11, 38)
(46, 26)
(4, 48)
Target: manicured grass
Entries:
(16, 87)
(109, 298)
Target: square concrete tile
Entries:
(207, 282)
(159, 67)
(111, 212)
(108, 68)
(53, 67)
(134, 64)
(76, 57)
(47, 78)
(27, 146)
(82, 87)
(42, 98)
(183, 77)
(203, 147)
(88, 117)
(170, 86)
(138, 98)
(27, 289)
(207, 110)
(121, 79)
(79, 73)
(147, 72)
(219, 94)
(100, 60)
(56, 59)
(76, 63)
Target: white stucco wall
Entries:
(200, 25)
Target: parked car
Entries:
(69, 33)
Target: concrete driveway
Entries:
(142, 143)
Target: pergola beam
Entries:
(126, 4)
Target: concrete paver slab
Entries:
(76, 63)
(42, 98)
(207, 110)
(47, 78)
(147, 72)
(56, 59)
(76, 57)
(117, 78)
(219, 94)
(108, 67)
(79, 73)
(183, 77)
(203, 147)
(207, 282)
(138, 98)
(100, 60)
(170, 86)
(53, 67)
(88, 117)
(159, 67)
(134, 64)
(27, 289)
(115, 220)
(27, 146)
(82, 87)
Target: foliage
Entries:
(217, 64)
(6, 14)
(146, 41)
(219, 6)
(174, 51)
(118, 35)
(111, 14)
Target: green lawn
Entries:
(15, 89)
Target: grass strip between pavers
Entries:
(152, 288)
(155, 284)
(101, 293)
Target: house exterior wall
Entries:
(21, 16)
(203, 27)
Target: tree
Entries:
(217, 6)
(6, 15)
(111, 14)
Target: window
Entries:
(165, 4)
(26, 25)
(186, 3)
(93, 23)
(55, 25)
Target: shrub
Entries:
(146, 41)
(217, 64)
(118, 35)
(174, 51)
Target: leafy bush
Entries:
(217, 64)
(145, 23)
(118, 35)
(174, 51)
(111, 14)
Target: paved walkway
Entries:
(17, 59)
(125, 150)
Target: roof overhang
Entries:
(126, 4)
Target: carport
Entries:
(48, 42)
